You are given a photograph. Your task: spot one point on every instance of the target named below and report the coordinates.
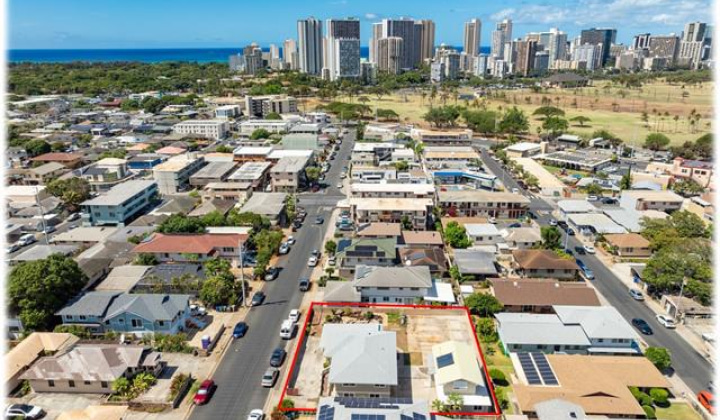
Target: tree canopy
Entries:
(71, 191)
(513, 121)
(456, 236)
(483, 304)
(656, 141)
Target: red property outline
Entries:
(301, 339)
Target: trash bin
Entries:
(205, 342)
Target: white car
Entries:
(294, 315)
(666, 321)
(23, 411)
(589, 249)
(592, 198)
(284, 248)
(515, 191)
(12, 248)
(291, 240)
(339, 185)
(312, 262)
(492, 220)
(256, 414)
(553, 222)
(636, 294)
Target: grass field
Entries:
(681, 411)
(609, 107)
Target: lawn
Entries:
(609, 107)
(679, 411)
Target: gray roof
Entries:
(362, 356)
(290, 164)
(89, 304)
(597, 321)
(375, 276)
(120, 193)
(470, 261)
(176, 204)
(48, 168)
(341, 291)
(265, 203)
(558, 409)
(546, 329)
(40, 252)
(629, 219)
(149, 306)
(345, 409)
(214, 170)
(123, 278)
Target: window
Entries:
(161, 323)
(136, 322)
(86, 382)
(600, 340)
(71, 384)
(349, 385)
(51, 383)
(460, 384)
(380, 385)
(82, 317)
(386, 299)
(122, 321)
(69, 317)
(103, 384)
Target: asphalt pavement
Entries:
(688, 363)
(240, 371)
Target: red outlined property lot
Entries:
(325, 308)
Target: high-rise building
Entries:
(525, 56)
(500, 36)
(310, 40)
(290, 54)
(405, 28)
(695, 44)
(473, 31)
(342, 48)
(541, 62)
(666, 46)
(589, 54)
(275, 61)
(641, 41)
(252, 59)
(595, 36)
(450, 60)
(482, 62)
(555, 44)
(427, 39)
(390, 54)
(437, 72)
(377, 33)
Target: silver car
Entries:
(270, 376)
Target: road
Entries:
(242, 366)
(688, 363)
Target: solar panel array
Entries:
(528, 367)
(326, 412)
(367, 417)
(544, 368)
(385, 402)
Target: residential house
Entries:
(91, 368)
(629, 245)
(191, 248)
(392, 210)
(422, 239)
(270, 205)
(352, 253)
(256, 173)
(363, 360)
(523, 237)
(43, 174)
(69, 160)
(212, 172)
(121, 204)
(288, 174)
(25, 194)
(665, 201)
(543, 263)
(136, 314)
(372, 174)
(540, 295)
(483, 234)
(348, 408)
(476, 264)
(38, 344)
(252, 153)
(236, 192)
(458, 370)
(379, 231)
(571, 329)
(144, 161)
(483, 203)
(699, 171)
(439, 138)
(432, 258)
(104, 174)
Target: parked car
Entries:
(642, 326)
(294, 315)
(492, 220)
(291, 240)
(339, 185)
(589, 249)
(284, 248)
(258, 298)
(27, 239)
(331, 261)
(269, 378)
(271, 273)
(12, 247)
(707, 400)
(312, 261)
(570, 232)
(580, 250)
(666, 321)
(515, 225)
(203, 394)
(319, 220)
(278, 357)
(592, 198)
(553, 222)
(304, 285)
(256, 414)
(73, 217)
(588, 273)
(24, 411)
(636, 294)
(609, 200)
(516, 191)
(240, 329)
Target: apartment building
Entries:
(392, 210)
(392, 190)
(666, 201)
(288, 174)
(371, 174)
(254, 173)
(261, 106)
(437, 137)
(120, 204)
(272, 126)
(173, 175)
(213, 129)
(696, 170)
(212, 172)
(234, 191)
(471, 203)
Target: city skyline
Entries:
(42, 24)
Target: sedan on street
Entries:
(666, 321)
(270, 376)
(257, 299)
(278, 357)
(204, 392)
(642, 326)
(240, 329)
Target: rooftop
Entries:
(175, 163)
(265, 203)
(541, 259)
(481, 196)
(85, 234)
(292, 164)
(188, 243)
(120, 193)
(250, 171)
(627, 240)
(543, 292)
(214, 170)
(57, 157)
(379, 229)
(470, 261)
(396, 204)
(376, 276)
(36, 344)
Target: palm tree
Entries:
(423, 95)
(455, 401)
(438, 406)
(121, 385)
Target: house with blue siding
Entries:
(121, 204)
(136, 314)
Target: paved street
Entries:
(239, 373)
(688, 362)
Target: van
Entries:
(27, 239)
(287, 329)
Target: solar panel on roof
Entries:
(418, 416)
(326, 413)
(445, 360)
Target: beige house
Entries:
(458, 371)
(91, 368)
(543, 263)
(288, 174)
(392, 210)
(36, 345)
(629, 245)
(699, 171)
(472, 203)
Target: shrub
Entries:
(649, 412)
(498, 377)
(175, 385)
(659, 397)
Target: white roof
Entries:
(399, 204)
(253, 150)
(548, 329)
(371, 146)
(597, 321)
(599, 222)
(523, 147)
(85, 234)
(280, 153)
(577, 206)
(481, 229)
(647, 195)
(441, 292)
(23, 190)
(627, 218)
(418, 189)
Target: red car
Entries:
(204, 392)
(706, 399)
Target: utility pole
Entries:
(42, 215)
(242, 273)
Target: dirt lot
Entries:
(56, 404)
(422, 329)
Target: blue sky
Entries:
(234, 23)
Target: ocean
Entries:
(198, 55)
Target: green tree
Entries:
(485, 328)
(330, 247)
(549, 111)
(121, 386)
(180, 223)
(455, 401)
(37, 147)
(401, 165)
(604, 134)
(555, 125)
(513, 121)
(218, 267)
(626, 181)
(214, 218)
(687, 188)
(659, 396)
(223, 149)
(480, 121)
(312, 173)
(273, 116)
(71, 191)
(551, 237)
(483, 304)
(659, 356)
(260, 133)
(656, 141)
(145, 259)
(689, 225)
(580, 119)
(218, 290)
(38, 289)
(594, 189)
(456, 236)
(406, 223)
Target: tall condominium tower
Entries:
(310, 42)
(390, 54)
(406, 29)
(290, 54)
(376, 33)
(473, 30)
(342, 43)
(427, 39)
(695, 44)
(501, 35)
(595, 36)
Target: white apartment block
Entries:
(215, 129)
(273, 126)
(173, 175)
